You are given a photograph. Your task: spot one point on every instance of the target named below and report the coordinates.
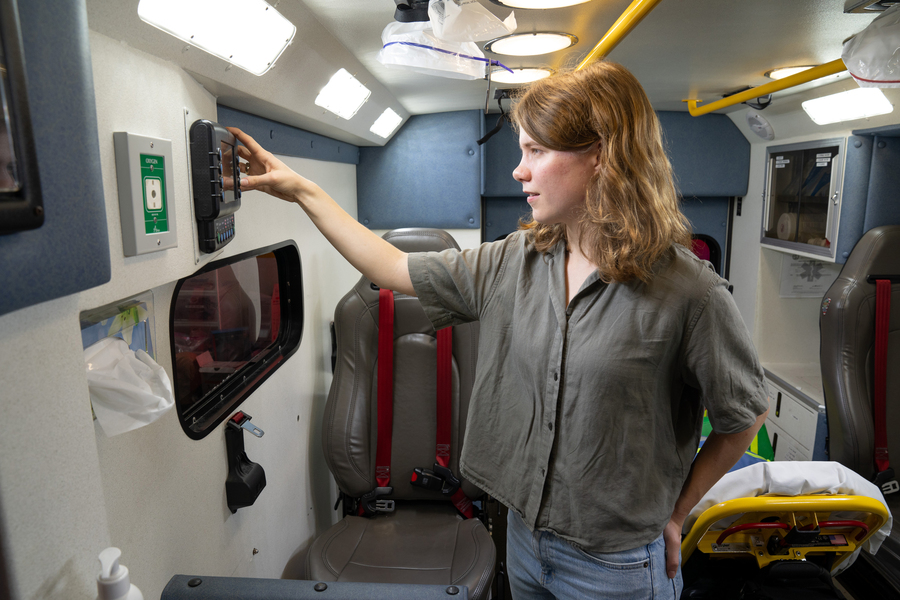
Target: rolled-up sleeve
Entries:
(722, 363)
(454, 286)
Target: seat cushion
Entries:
(424, 543)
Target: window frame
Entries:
(21, 209)
(219, 403)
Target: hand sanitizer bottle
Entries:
(113, 582)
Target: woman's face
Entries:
(556, 182)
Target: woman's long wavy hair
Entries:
(631, 214)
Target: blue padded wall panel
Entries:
(428, 175)
(70, 252)
(709, 154)
(883, 200)
(279, 138)
(502, 214)
(501, 157)
(854, 194)
(883, 131)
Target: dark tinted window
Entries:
(232, 324)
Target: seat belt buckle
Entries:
(886, 481)
(373, 502)
(451, 483)
(437, 479)
(427, 479)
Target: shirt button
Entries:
(542, 472)
(550, 426)
(555, 376)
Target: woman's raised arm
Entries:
(382, 263)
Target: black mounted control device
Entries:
(215, 176)
(246, 479)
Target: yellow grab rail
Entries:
(794, 510)
(633, 15)
(831, 68)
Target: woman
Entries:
(602, 340)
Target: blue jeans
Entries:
(542, 565)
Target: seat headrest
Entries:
(421, 239)
(874, 254)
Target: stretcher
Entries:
(781, 526)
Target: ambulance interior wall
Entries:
(66, 490)
(785, 330)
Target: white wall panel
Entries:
(66, 490)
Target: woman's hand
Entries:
(672, 536)
(374, 257)
(260, 170)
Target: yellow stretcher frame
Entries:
(796, 511)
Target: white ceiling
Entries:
(683, 49)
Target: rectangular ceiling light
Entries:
(343, 95)
(386, 123)
(249, 34)
(860, 103)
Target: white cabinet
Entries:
(795, 423)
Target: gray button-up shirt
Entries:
(585, 418)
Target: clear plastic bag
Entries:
(414, 46)
(128, 389)
(873, 55)
(467, 21)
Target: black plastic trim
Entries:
(209, 412)
(23, 209)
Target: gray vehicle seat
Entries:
(424, 540)
(847, 352)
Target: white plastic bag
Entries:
(128, 389)
(873, 55)
(414, 46)
(467, 21)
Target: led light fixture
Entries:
(787, 72)
(538, 3)
(523, 75)
(531, 44)
(386, 123)
(343, 95)
(860, 103)
(249, 34)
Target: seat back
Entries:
(350, 421)
(847, 353)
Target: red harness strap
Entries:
(445, 413)
(882, 326)
(385, 412)
(385, 387)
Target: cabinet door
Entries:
(785, 446)
(791, 418)
(802, 191)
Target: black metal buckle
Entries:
(426, 479)
(372, 503)
(436, 479)
(886, 481)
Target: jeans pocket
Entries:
(627, 560)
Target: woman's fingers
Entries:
(245, 139)
(256, 157)
(244, 152)
(262, 171)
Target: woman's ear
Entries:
(596, 155)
